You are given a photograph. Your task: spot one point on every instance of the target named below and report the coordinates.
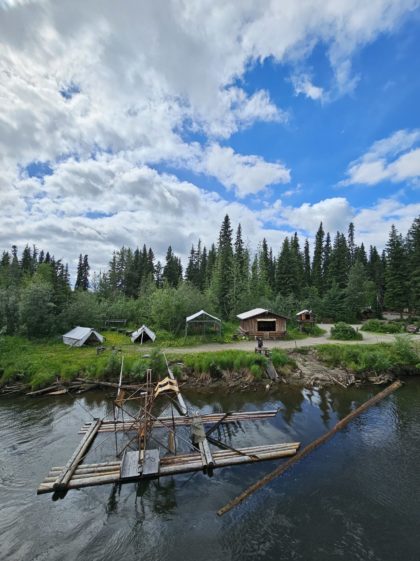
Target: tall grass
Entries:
(372, 358)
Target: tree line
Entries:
(337, 280)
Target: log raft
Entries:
(120, 426)
(87, 475)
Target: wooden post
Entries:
(314, 444)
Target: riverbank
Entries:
(27, 367)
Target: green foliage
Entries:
(36, 309)
(345, 332)
(157, 362)
(138, 369)
(257, 371)
(313, 330)
(377, 326)
(113, 366)
(372, 358)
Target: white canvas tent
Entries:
(82, 335)
(143, 334)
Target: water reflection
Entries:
(355, 498)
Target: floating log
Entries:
(314, 444)
(63, 479)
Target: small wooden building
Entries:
(305, 318)
(263, 323)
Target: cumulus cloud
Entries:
(335, 213)
(102, 94)
(245, 174)
(396, 159)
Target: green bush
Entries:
(138, 369)
(377, 326)
(113, 366)
(257, 371)
(345, 332)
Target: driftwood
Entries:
(110, 384)
(305, 451)
(45, 390)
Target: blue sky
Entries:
(148, 124)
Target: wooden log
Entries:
(44, 390)
(309, 448)
(111, 384)
(205, 451)
(64, 478)
(60, 468)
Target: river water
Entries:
(356, 497)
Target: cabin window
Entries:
(307, 316)
(266, 324)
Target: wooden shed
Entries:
(305, 317)
(263, 323)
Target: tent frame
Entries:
(198, 319)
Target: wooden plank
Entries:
(271, 371)
(65, 476)
(130, 466)
(151, 462)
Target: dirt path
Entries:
(368, 339)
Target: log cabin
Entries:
(263, 323)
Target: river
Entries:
(355, 498)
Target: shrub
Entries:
(138, 369)
(113, 366)
(257, 371)
(345, 332)
(377, 326)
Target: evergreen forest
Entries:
(336, 278)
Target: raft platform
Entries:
(87, 475)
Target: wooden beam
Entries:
(284, 467)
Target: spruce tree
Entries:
(224, 270)
(317, 266)
(396, 281)
(413, 254)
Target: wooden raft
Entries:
(87, 475)
(111, 426)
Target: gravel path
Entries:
(368, 339)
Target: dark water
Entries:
(357, 497)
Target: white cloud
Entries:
(245, 174)
(393, 159)
(302, 85)
(335, 214)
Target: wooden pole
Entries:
(305, 451)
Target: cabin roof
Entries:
(201, 313)
(304, 312)
(256, 312)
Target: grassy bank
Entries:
(376, 358)
(38, 364)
